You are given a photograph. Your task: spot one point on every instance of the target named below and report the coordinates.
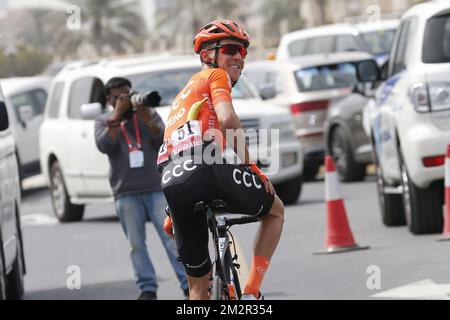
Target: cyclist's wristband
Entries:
(258, 172)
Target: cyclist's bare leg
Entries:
(266, 241)
(198, 288)
(269, 231)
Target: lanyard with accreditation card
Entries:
(135, 152)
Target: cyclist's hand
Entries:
(267, 184)
(168, 227)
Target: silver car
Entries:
(307, 86)
(27, 97)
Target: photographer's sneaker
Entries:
(250, 296)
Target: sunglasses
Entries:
(231, 49)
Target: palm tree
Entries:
(274, 12)
(186, 16)
(114, 23)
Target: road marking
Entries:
(38, 219)
(424, 289)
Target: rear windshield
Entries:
(379, 42)
(341, 75)
(436, 41)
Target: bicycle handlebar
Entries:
(241, 220)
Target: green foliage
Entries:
(26, 61)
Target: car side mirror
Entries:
(368, 74)
(267, 91)
(90, 111)
(4, 122)
(25, 114)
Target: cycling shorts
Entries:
(185, 183)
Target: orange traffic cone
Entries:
(339, 236)
(446, 232)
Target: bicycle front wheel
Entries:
(217, 289)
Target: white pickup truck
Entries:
(77, 172)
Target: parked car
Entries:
(378, 37)
(12, 261)
(27, 97)
(372, 37)
(77, 172)
(345, 138)
(307, 86)
(409, 124)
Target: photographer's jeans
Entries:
(133, 211)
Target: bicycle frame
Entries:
(224, 276)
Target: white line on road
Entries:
(38, 219)
(424, 289)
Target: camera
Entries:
(148, 99)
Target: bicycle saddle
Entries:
(216, 205)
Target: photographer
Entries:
(130, 135)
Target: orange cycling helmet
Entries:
(218, 30)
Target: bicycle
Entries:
(224, 278)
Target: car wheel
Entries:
(346, 167)
(64, 210)
(14, 280)
(423, 206)
(391, 205)
(289, 191)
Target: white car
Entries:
(371, 37)
(27, 97)
(77, 172)
(409, 122)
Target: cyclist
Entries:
(200, 116)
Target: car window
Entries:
(83, 91)
(341, 75)
(347, 43)
(436, 40)
(35, 99)
(40, 96)
(242, 90)
(258, 78)
(297, 48)
(320, 45)
(169, 82)
(379, 42)
(399, 58)
(55, 100)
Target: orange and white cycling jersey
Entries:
(192, 118)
